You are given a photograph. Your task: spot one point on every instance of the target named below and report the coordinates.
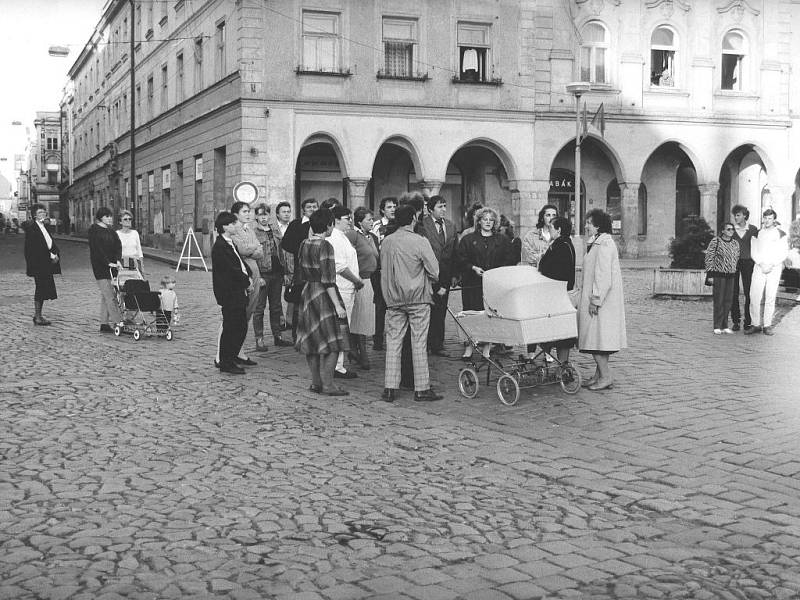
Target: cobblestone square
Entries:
(136, 470)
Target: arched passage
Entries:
(393, 173)
(743, 179)
(319, 171)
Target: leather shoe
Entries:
(736, 327)
(41, 321)
(751, 330)
(427, 396)
(440, 352)
(231, 368)
(106, 328)
(261, 347)
(279, 341)
(245, 361)
(601, 386)
(334, 392)
(345, 375)
(768, 330)
(388, 395)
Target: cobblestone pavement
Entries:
(135, 470)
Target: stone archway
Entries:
(743, 179)
(319, 173)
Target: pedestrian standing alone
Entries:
(770, 247)
(722, 259)
(105, 253)
(132, 255)
(322, 331)
(362, 325)
(42, 261)
(231, 281)
(743, 234)
(601, 311)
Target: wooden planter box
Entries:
(680, 282)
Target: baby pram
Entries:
(522, 307)
(140, 307)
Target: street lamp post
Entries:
(577, 89)
(132, 177)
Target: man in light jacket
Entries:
(408, 270)
(769, 248)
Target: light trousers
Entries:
(764, 286)
(349, 298)
(109, 309)
(415, 317)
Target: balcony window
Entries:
(474, 51)
(594, 48)
(399, 39)
(220, 43)
(321, 42)
(734, 52)
(662, 57)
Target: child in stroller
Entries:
(141, 309)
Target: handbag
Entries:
(709, 280)
(294, 292)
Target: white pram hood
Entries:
(521, 293)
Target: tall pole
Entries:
(576, 224)
(133, 115)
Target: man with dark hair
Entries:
(770, 247)
(408, 268)
(388, 207)
(330, 203)
(231, 282)
(295, 233)
(270, 267)
(743, 233)
(441, 233)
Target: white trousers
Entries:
(764, 286)
(349, 298)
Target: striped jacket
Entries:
(722, 257)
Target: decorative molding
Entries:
(596, 6)
(561, 54)
(738, 8)
(668, 6)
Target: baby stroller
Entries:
(522, 307)
(141, 308)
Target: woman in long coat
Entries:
(42, 260)
(483, 249)
(601, 312)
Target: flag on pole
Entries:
(584, 126)
(598, 120)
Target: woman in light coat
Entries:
(601, 312)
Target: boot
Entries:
(363, 355)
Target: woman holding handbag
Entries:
(722, 256)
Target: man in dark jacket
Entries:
(231, 281)
(105, 252)
(743, 233)
(441, 233)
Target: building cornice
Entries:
(726, 120)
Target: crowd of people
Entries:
(348, 276)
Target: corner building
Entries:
(364, 99)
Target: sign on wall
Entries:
(245, 191)
(166, 178)
(198, 169)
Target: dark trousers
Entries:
(234, 329)
(438, 316)
(269, 293)
(745, 269)
(723, 296)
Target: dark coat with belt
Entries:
(37, 254)
(229, 281)
(444, 250)
(558, 262)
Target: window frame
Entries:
(485, 71)
(660, 82)
(317, 37)
(593, 47)
(408, 70)
(220, 50)
(738, 85)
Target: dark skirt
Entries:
(45, 288)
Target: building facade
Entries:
(361, 100)
(44, 162)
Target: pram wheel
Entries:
(570, 379)
(117, 330)
(168, 335)
(137, 335)
(508, 390)
(468, 382)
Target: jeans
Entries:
(745, 269)
(270, 292)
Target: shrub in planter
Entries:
(687, 251)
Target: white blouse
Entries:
(131, 246)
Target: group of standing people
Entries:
(743, 253)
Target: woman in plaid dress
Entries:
(322, 330)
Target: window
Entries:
(593, 53)
(662, 57)
(399, 39)
(321, 42)
(220, 47)
(198, 64)
(164, 88)
(138, 27)
(150, 114)
(138, 100)
(473, 52)
(734, 50)
(179, 78)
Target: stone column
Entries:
(357, 191)
(630, 219)
(430, 187)
(708, 203)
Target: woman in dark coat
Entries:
(558, 262)
(483, 249)
(42, 260)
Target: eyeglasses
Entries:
(729, 229)
(126, 219)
